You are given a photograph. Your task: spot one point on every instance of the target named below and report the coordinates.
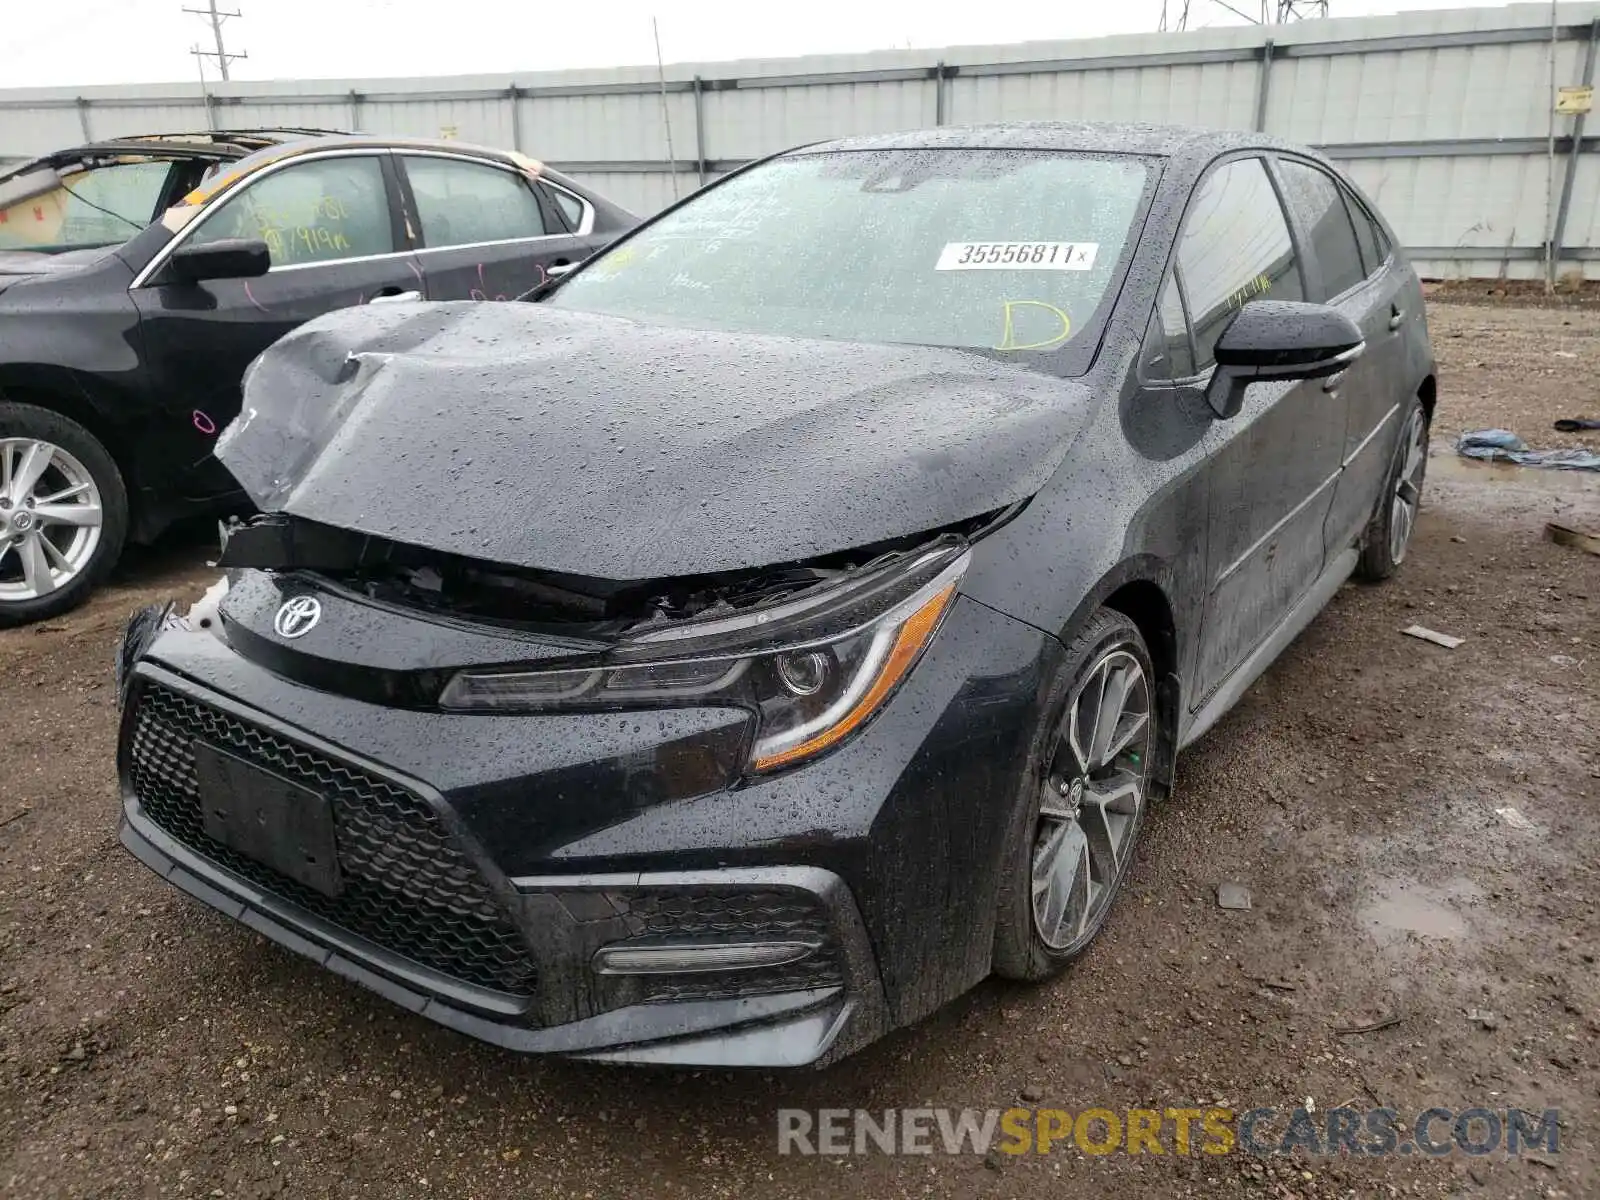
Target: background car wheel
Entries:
(1394, 520)
(63, 513)
(1089, 787)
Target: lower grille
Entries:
(407, 887)
(702, 913)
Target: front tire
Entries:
(1394, 520)
(1087, 793)
(63, 513)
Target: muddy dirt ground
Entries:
(149, 1047)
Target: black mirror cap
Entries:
(230, 258)
(1287, 339)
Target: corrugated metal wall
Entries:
(1445, 117)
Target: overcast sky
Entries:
(68, 42)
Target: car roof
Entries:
(1102, 137)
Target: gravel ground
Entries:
(151, 1048)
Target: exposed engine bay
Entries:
(415, 577)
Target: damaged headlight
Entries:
(815, 667)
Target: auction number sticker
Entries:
(1017, 256)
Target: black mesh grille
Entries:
(406, 885)
(728, 913)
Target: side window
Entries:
(1369, 234)
(312, 212)
(571, 207)
(1314, 199)
(1234, 248)
(1166, 346)
(461, 202)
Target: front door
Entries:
(485, 232)
(328, 225)
(1272, 467)
(1350, 277)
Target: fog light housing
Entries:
(688, 958)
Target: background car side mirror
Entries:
(1280, 339)
(230, 258)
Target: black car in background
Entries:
(790, 619)
(121, 359)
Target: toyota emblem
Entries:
(297, 617)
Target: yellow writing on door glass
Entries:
(1259, 286)
(302, 232)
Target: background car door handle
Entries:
(1397, 317)
(557, 270)
(388, 297)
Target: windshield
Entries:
(1006, 252)
(100, 206)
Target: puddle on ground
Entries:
(1401, 909)
(1446, 464)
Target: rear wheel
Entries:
(1393, 521)
(63, 513)
(1088, 791)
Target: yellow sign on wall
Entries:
(1574, 100)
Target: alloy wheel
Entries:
(1093, 802)
(1408, 489)
(50, 518)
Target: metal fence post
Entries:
(355, 111)
(514, 97)
(1264, 86)
(1558, 231)
(699, 130)
(83, 119)
(938, 93)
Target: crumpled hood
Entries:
(593, 445)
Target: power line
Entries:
(221, 52)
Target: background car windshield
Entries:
(1004, 251)
(102, 206)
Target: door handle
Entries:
(557, 270)
(391, 297)
(1397, 317)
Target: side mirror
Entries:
(1280, 339)
(230, 258)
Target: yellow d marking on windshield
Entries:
(1008, 337)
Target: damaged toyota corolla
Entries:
(789, 618)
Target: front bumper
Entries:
(775, 1029)
(485, 863)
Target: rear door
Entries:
(331, 225)
(484, 229)
(1272, 467)
(1341, 274)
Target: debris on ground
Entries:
(1577, 424)
(1483, 1018)
(1577, 539)
(1447, 640)
(1501, 445)
(1234, 896)
(1388, 1022)
(1514, 818)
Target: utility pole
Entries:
(220, 53)
(1301, 10)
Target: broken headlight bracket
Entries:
(814, 667)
